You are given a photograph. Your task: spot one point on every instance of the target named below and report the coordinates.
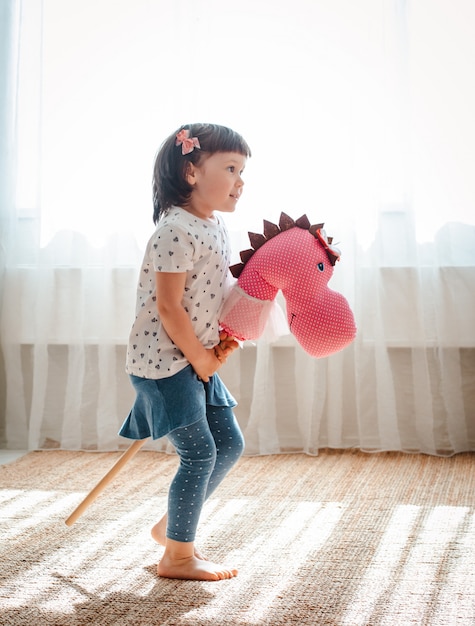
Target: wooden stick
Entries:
(102, 484)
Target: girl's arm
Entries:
(170, 288)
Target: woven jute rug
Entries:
(343, 538)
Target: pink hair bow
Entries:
(187, 143)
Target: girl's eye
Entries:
(231, 168)
(321, 267)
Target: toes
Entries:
(226, 574)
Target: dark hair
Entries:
(170, 186)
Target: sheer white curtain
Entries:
(358, 114)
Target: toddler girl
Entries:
(175, 347)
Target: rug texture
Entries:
(344, 538)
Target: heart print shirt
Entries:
(180, 243)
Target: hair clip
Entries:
(187, 143)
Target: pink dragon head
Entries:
(296, 258)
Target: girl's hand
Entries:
(226, 345)
(207, 364)
(215, 357)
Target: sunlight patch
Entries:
(410, 557)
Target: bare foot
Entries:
(192, 568)
(179, 561)
(158, 531)
(159, 535)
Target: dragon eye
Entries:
(321, 267)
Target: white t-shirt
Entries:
(180, 243)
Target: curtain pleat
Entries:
(16, 428)
(73, 405)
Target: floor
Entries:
(7, 456)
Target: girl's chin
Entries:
(228, 208)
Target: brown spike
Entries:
(256, 240)
(246, 255)
(333, 258)
(236, 269)
(286, 222)
(313, 229)
(303, 222)
(270, 230)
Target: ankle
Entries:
(179, 550)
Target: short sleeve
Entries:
(172, 249)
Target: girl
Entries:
(175, 347)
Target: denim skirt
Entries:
(164, 404)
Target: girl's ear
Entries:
(190, 174)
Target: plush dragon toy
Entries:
(296, 258)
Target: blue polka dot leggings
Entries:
(208, 449)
